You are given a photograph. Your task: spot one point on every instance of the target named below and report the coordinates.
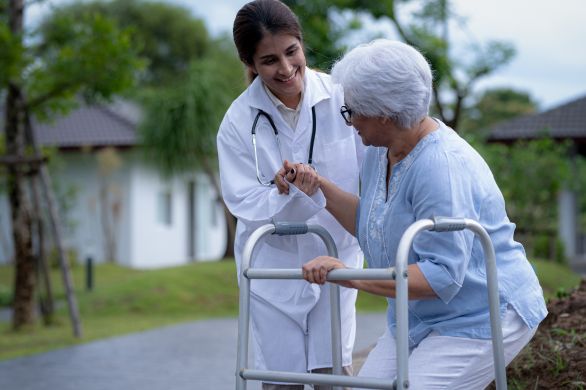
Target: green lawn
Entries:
(126, 300)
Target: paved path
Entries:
(199, 355)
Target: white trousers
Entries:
(446, 362)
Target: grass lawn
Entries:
(125, 300)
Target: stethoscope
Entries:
(260, 178)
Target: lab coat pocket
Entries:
(280, 292)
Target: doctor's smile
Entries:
(280, 62)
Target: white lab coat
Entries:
(286, 305)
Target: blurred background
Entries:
(110, 207)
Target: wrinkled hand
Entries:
(306, 179)
(316, 270)
(303, 176)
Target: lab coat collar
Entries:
(316, 90)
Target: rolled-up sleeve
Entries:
(443, 257)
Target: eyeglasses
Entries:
(346, 114)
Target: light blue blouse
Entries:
(444, 176)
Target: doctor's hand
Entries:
(316, 270)
(284, 176)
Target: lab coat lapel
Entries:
(259, 100)
(315, 92)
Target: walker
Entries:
(397, 273)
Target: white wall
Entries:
(86, 233)
(154, 244)
(211, 232)
(142, 240)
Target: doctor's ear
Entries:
(250, 73)
(251, 69)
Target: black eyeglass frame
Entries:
(346, 114)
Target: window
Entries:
(165, 208)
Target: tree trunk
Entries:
(109, 240)
(51, 203)
(230, 220)
(24, 276)
(44, 278)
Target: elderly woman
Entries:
(416, 167)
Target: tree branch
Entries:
(438, 104)
(39, 100)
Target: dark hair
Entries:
(257, 18)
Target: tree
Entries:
(91, 57)
(427, 27)
(110, 204)
(179, 132)
(496, 105)
(530, 175)
(177, 46)
(168, 36)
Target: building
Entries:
(118, 207)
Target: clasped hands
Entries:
(306, 179)
(303, 176)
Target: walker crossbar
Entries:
(318, 379)
(398, 273)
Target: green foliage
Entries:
(88, 55)
(322, 34)
(5, 296)
(548, 246)
(423, 24)
(496, 105)
(578, 184)
(167, 35)
(182, 121)
(126, 300)
(530, 175)
(11, 56)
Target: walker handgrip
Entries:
(289, 229)
(448, 224)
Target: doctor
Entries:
(294, 113)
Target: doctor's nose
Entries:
(285, 68)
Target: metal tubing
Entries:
(336, 318)
(401, 300)
(494, 305)
(244, 310)
(452, 224)
(337, 274)
(318, 379)
(244, 315)
(399, 273)
(336, 333)
(326, 238)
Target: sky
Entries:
(550, 63)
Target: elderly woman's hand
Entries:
(316, 270)
(306, 179)
(303, 176)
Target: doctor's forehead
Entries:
(276, 44)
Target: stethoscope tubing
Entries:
(276, 133)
